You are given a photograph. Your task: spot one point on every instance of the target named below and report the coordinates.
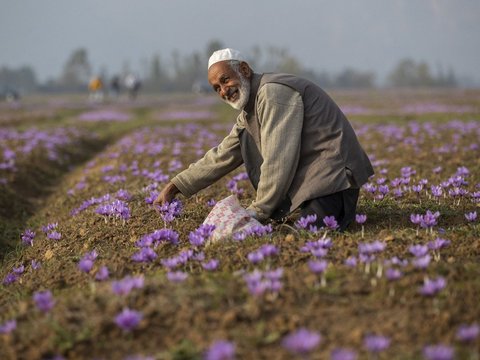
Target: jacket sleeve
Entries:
(216, 163)
(280, 113)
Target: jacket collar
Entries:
(254, 85)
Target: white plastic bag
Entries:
(229, 217)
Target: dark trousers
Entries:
(341, 204)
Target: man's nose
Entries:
(224, 91)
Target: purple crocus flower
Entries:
(330, 222)
(221, 350)
(211, 265)
(86, 262)
(27, 237)
(85, 265)
(10, 278)
(200, 235)
(304, 222)
(255, 257)
(416, 219)
(438, 243)
(466, 333)
(54, 235)
(471, 216)
(393, 274)
(177, 276)
(211, 202)
(343, 354)
(128, 319)
(371, 248)
(422, 262)
(35, 264)
(376, 343)
(418, 250)
(127, 284)
(44, 300)
(429, 219)
(102, 274)
(49, 227)
(360, 218)
(432, 286)
(351, 261)
(438, 352)
(145, 254)
(317, 266)
(302, 341)
(8, 326)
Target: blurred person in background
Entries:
(132, 84)
(298, 147)
(95, 87)
(115, 86)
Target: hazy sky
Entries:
(323, 34)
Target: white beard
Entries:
(243, 94)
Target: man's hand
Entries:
(167, 194)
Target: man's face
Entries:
(231, 85)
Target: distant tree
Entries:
(411, 74)
(157, 79)
(22, 79)
(351, 78)
(77, 70)
(213, 45)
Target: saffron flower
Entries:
(438, 352)
(54, 235)
(360, 218)
(343, 354)
(35, 264)
(8, 326)
(467, 333)
(128, 319)
(127, 284)
(10, 278)
(259, 282)
(317, 266)
(432, 286)
(221, 350)
(102, 274)
(145, 254)
(44, 300)
(170, 210)
(211, 202)
(393, 274)
(422, 262)
(376, 343)
(211, 265)
(27, 237)
(200, 235)
(418, 250)
(177, 276)
(330, 222)
(304, 222)
(302, 341)
(351, 261)
(49, 227)
(471, 216)
(86, 262)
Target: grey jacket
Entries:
(308, 146)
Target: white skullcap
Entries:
(225, 54)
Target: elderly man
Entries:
(298, 148)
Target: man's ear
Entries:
(245, 70)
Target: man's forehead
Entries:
(218, 69)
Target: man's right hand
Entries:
(167, 194)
